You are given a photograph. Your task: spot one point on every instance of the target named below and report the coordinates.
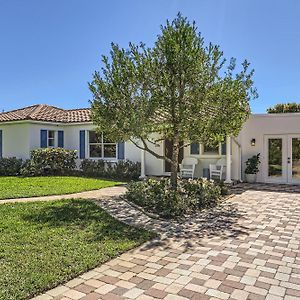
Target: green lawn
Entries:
(43, 244)
(18, 187)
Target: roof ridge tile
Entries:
(47, 113)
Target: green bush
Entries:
(123, 169)
(50, 161)
(95, 168)
(202, 192)
(10, 166)
(157, 196)
(252, 164)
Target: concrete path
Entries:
(246, 249)
(93, 195)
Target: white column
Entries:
(228, 160)
(143, 175)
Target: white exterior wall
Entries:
(257, 127)
(35, 133)
(15, 140)
(132, 152)
(19, 138)
(155, 166)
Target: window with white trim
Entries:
(99, 147)
(211, 149)
(51, 138)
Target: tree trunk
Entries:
(174, 165)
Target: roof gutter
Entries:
(46, 122)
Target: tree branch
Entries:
(146, 148)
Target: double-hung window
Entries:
(99, 147)
(51, 138)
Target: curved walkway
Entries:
(246, 249)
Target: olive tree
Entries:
(180, 89)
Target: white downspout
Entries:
(228, 160)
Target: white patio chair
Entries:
(187, 167)
(216, 170)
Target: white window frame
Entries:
(102, 144)
(54, 139)
(203, 154)
(202, 147)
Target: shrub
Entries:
(252, 164)
(157, 196)
(123, 169)
(95, 168)
(202, 192)
(50, 161)
(10, 166)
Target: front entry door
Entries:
(168, 153)
(276, 158)
(282, 158)
(293, 159)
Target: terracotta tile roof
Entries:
(43, 112)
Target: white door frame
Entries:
(283, 178)
(290, 159)
(286, 159)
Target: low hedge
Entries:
(123, 169)
(156, 196)
(10, 166)
(50, 161)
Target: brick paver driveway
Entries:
(247, 249)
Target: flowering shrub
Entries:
(123, 169)
(50, 161)
(158, 197)
(10, 166)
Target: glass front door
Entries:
(293, 159)
(282, 158)
(276, 163)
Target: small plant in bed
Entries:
(158, 197)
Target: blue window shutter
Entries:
(121, 150)
(223, 148)
(44, 137)
(82, 144)
(60, 139)
(1, 144)
(195, 148)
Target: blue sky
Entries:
(49, 49)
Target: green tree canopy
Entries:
(179, 88)
(290, 107)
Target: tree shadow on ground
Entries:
(83, 215)
(223, 222)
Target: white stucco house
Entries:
(275, 136)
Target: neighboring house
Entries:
(275, 136)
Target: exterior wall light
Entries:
(253, 142)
